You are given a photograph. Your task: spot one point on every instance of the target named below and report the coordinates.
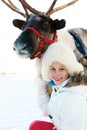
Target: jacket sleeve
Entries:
(43, 97)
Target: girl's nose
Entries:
(57, 72)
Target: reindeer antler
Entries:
(13, 7)
(51, 7)
(28, 8)
(51, 10)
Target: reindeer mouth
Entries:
(23, 50)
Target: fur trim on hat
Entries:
(63, 54)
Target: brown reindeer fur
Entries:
(78, 79)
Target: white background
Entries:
(18, 106)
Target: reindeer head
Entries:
(38, 30)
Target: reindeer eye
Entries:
(45, 26)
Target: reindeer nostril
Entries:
(14, 48)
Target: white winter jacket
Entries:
(68, 107)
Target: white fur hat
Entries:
(63, 54)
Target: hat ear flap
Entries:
(58, 24)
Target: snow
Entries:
(18, 103)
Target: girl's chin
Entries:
(58, 82)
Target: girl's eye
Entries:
(53, 69)
(62, 69)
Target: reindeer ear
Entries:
(18, 23)
(58, 24)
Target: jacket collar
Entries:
(62, 85)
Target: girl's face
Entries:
(58, 73)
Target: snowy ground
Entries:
(18, 104)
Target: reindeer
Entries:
(40, 30)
